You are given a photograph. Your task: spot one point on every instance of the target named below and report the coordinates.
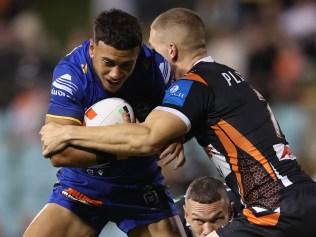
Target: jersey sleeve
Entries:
(187, 99)
(66, 94)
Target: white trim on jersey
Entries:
(260, 209)
(207, 59)
(176, 112)
(165, 70)
(284, 179)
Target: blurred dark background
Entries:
(271, 42)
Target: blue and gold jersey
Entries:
(128, 192)
(76, 87)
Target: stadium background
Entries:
(272, 42)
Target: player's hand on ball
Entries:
(126, 117)
(52, 138)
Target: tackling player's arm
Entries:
(145, 138)
(71, 156)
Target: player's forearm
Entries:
(123, 139)
(72, 157)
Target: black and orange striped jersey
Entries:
(237, 128)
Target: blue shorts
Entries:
(128, 200)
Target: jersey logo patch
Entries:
(177, 92)
(150, 196)
(283, 152)
(84, 68)
(65, 84)
(80, 197)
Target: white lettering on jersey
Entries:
(174, 92)
(58, 92)
(230, 77)
(63, 83)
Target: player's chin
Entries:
(112, 87)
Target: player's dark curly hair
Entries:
(117, 29)
(205, 190)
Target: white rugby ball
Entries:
(107, 112)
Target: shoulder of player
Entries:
(75, 61)
(147, 53)
(149, 61)
(74, 64)
(202, 72)
(211, 73)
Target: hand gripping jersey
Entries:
(237, 128)
(129, 192)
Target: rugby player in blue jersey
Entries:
(95, 188)
(229, 118)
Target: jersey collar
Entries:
(207, 59)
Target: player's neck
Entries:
(188, 60)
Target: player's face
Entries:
(112, 66)
(205, 218)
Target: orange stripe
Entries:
(194, 77)
(232, 154)
(90, 113)
(244, 144)
(266, 220)
(80, 196)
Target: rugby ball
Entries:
(108, 112)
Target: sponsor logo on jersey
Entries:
(178, 92)
(80, 197)
(58, 92)
(283, 152)
(84, 68)
(65, 85)
(174, 89)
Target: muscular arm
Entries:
(149, 137)
(71, 156)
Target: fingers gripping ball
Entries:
(108, 112)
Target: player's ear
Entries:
(173, 51)
(91, 48)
